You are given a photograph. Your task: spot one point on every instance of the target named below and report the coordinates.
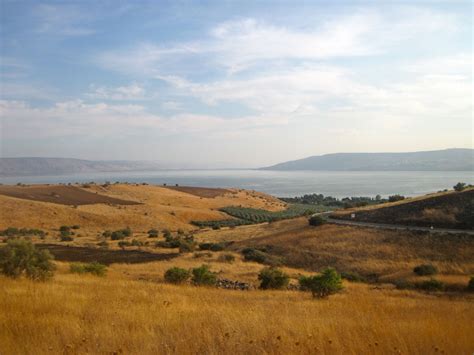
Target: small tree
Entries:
(460, 186)
(395, 198)
(273, 278)
(177, 275)
(203, 276)
(321, 286)
(20, 256)
(316, 220)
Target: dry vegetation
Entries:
(132, 310)
(86, 314)
(159, 207)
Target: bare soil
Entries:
(64, 195)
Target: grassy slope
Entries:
(84, 314)
(437, 210)
(161, 208)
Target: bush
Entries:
(177, 275)
(64, 229)
(273, 278)
(431, 285)
(120, 234)
(76, 226)
(395, 198)
(20, 256)
(93, 268)
(124, 243)
(65, 236)
(425, 270)
(316, 221)
(321, 286)
(211, 246)
(470, 285)
(226, 258)
(186, 246)
(152, 233)
(256, 255)
(203, 276)
(460, 186)
(166, 233)
(205, 254)
(107, 234)
(22, 232)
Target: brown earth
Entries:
(64, 195)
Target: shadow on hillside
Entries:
(103, 256)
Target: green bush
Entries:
(460, 186)
(22, 232)
(211, 246)
(177, 275)
(425, 270)
(64, 229)
(431, 285)
(65, 236)
(328, 283)
(153, 233)
(316, 221)
(93, 268)
(273, 278)
(203, 276)
(76, 226)
(470, 285)
(395, 198)
(20, 256)
(256, 255)
(226, 258)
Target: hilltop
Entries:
(437, 160)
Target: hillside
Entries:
(445, 210)
(438, 160)
(100, 207)
(59, 166)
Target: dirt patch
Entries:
(64, 195)
(103, 256)
(206, 192)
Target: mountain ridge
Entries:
(454, 159)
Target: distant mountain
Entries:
(59, 166)
(436, 160)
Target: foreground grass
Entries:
(86, 314)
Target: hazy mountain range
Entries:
(439, 160)
(436, 160)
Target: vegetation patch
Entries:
(177, 275)
(93, 268)
(273, 278)
(203, 276)
(425, 270)
(321, 286)
(21, 232)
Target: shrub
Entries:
(121, 234)
(65, 236)
(76, 226)
(136, 243)
(328, 283)
(177, 275)
(107, 234)
(425, 270)
(226, 258)
(395, 198)
(202, 255)
(211, 246)
(203, 276)
(20, 256)
(152, 233)
(13, 232)
(256, 255)
(316, 221)
(431, 285)
(166, 233)
(64, 229)
(124, 243)
(470, 285)
(273, 278)
(186, 246)
(460, 186)
(103, 244)
(93, 268)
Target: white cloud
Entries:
(130, 92)
(62, 20)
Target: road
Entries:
(398, 227)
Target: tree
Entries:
(273, 278)
(203, 276)
(460, 186)
(321, 286)
(316, 220)
(177, 275)
(21, 257)
(395, 198)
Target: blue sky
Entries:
(233, 84)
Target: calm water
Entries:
(283, 184)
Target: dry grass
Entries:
(160, 208)
(84, 314)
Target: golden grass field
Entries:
(86, 314)
(132, 310)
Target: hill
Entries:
(444, 210)
(437, 160)
(59, 166)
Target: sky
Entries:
(218, 84)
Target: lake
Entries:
(281, 183)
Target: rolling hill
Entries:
(436, 160)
